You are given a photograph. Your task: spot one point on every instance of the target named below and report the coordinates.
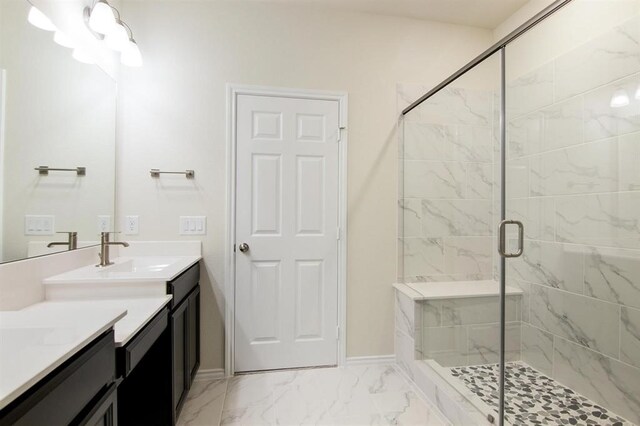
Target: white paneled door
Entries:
(286, 304)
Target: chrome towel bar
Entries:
(44, 170)
(190, 174)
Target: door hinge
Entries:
(338, 332)
(340, 129)
(338, 234)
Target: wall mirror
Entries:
(55, 112)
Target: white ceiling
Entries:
(480, 13)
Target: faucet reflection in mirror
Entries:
(103, 21)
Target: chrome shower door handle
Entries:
(502, 238)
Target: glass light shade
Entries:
(83, 56)
(102, 20)
(63, 40)
(637, 95)
(40, 20)
(619, 99)
(131, 55)
(117, 38)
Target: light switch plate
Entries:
(193, 225)
(131, 225)
(39, 225)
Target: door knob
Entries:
(244, 247)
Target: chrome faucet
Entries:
(71, 243)
(104, 248)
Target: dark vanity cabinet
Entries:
(158, 365)
(82, 391)
(185, 334)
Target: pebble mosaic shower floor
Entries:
(533, 398)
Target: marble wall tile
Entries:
(613, 275)
(550, 264)
(431, 313)
(587, 168)
(405, 353)
(606, 381)
(606, 58)
(456, 218)
(484, 343)
(404, 314)
(411, 211)
(584, 320)
(563, 124)
(630, 336)
(458, 106)
(604, 121)
(537, 349)
(473, 144)
(600, 220)
(423, 256)
(537, 214)
(629, 153)
(479, 184)
(468, 255)
(525, 135)
(434, 179)
(530, 92)
(445, 345)
(525, 297)
(517, 173)
(478, 310)
(428, 141)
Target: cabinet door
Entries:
(193, 336)
(104, 412)
(179, 322)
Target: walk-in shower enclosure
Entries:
(545, 132)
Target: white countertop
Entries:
(36, 340)
(454, 289)
(139, 312)
(129, 269)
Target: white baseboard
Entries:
(211, 374)
(365, 360)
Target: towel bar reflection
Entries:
(190, 174)
(44, 170)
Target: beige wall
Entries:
(172, 116)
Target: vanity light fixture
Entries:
(118, 38)
(40, 20)
(619, 99)
(637, 95)
(105, 23)
(81, 55)
(101, 17)
(63, 40)
(131, 55)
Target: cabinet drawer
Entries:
(131, 354)
(58, 398)
(103, 411)
(183, 284)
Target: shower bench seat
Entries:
(457, 323)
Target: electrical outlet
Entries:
(39, 225)
(193, 225)
(104, 223)
(131, 225)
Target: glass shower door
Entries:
(573, 179)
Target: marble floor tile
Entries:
(204, 403)
(356, 395)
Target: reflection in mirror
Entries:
(55, 112)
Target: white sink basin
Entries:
(138, 265)
(140, 276)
